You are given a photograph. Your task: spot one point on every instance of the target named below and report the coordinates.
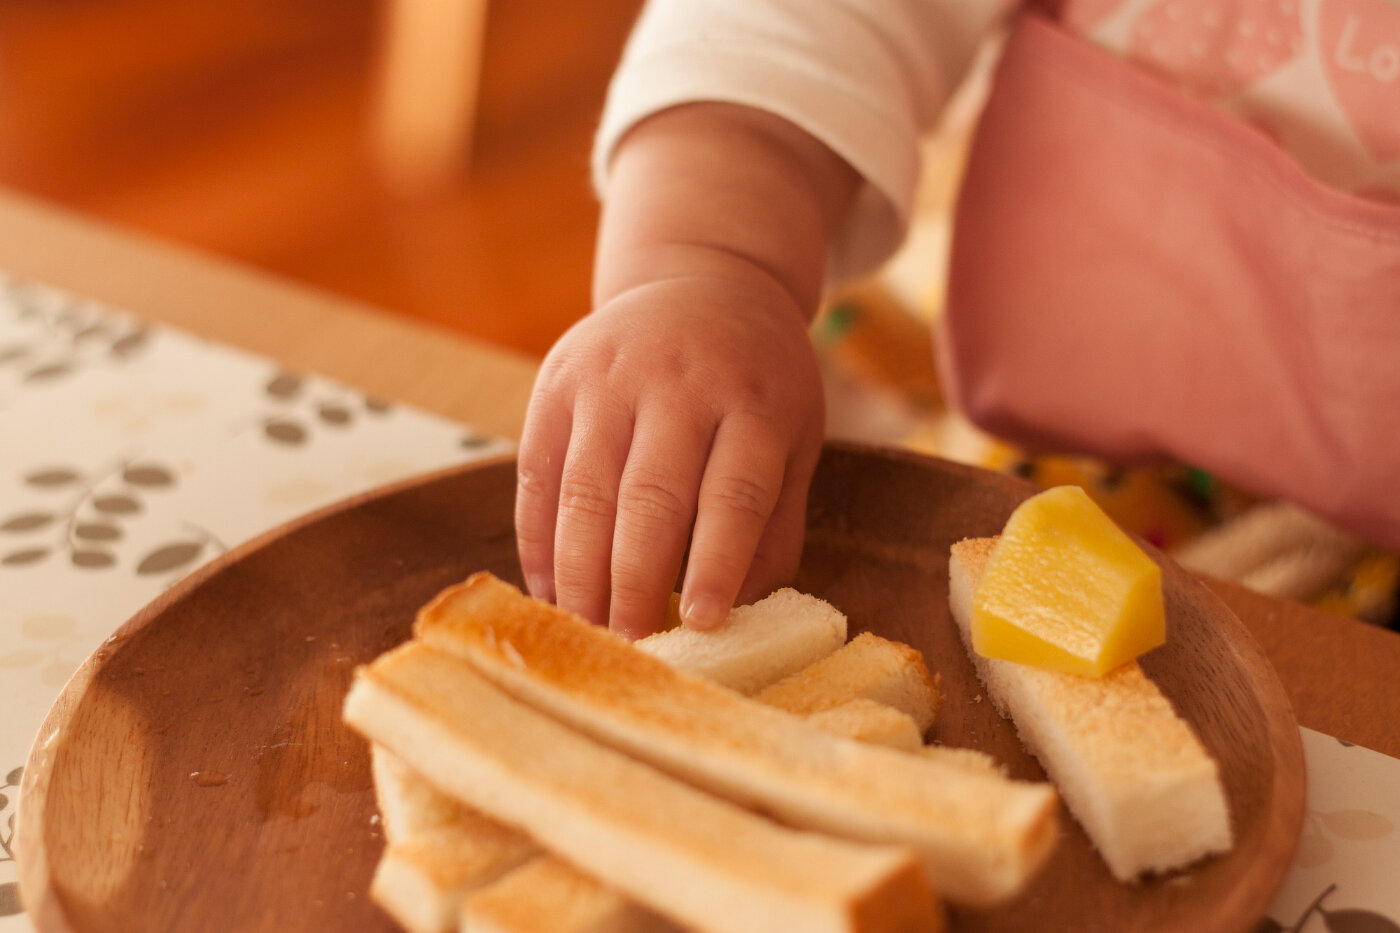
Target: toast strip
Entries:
(561, 899)
(421, 880)
(1131, 771)
(566, 898)
(867, 667)
(548, 895)
(435, 829)
(870, 722)
(695, 858)
(981, 836)
(409, 805)
(973, 758)
(757, 644)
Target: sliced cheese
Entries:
(1129, 768)
(1067, 590)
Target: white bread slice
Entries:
(867, 721)
(972, 758)
(409, 805)
(548, 895)
(421, 880)
(757, 644)
(560, 898)
(1131, 771)
(697, 859)
(981, 836)
(867, 667)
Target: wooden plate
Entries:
(195, 774)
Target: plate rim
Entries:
(40, 902)
(45, 907)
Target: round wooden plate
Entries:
(195, 774)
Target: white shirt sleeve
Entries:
(866, 77)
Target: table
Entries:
(304, 329)
(234, 371)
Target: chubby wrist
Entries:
(714, 270)
(721, 190)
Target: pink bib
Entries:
(1137, 274)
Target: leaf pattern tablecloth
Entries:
(130, 454)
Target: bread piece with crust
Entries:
(867, 721)
(697, 859)
(1131, 771)
(981, 836)
(973, 758)
(421, 880)
(416, 885)
(867, 667)
(409, 805)
(757, 644)
(548, 895)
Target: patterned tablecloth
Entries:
(131, 454)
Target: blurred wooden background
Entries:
(245, 129)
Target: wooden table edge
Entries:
(1315, 653)
(303, 328)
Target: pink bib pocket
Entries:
(1137, 274)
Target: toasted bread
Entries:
(548, 895)
(867, 667)
(421, 880)
(758, 644)
(980, 836)
(695, 858)
(409, 805)
(566, 899)
(415, 884)
(1131, 770)
(867, 721)
(972, 758)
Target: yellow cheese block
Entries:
(1067, 590)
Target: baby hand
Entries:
(686, 400)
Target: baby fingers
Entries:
(540, 465)
(655, 507)
(743, 481)
(587, 509)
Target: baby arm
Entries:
(690, 397)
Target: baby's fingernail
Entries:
(701, 612)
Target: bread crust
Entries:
(867, 667)
(874, 723)
(561, 899)
(548, 895)
(693, 857)
(1129, 768)
(421, 880)
(981, 836)
(757, 644)
(409, 805)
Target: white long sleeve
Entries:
(866, 77)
